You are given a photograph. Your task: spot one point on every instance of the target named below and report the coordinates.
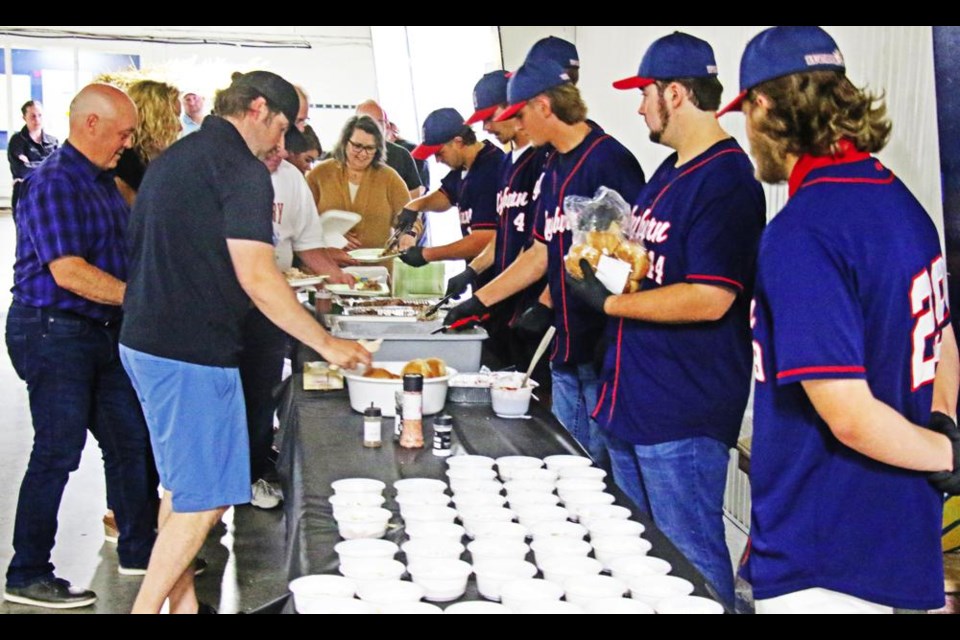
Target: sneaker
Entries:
(199, 567)
(110, 531)
(265, 495)
(54, 593)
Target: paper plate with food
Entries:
(299, 279)
(372, 255)
(363, 288)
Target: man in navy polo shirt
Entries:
(854, 349)
(201, 247)
(470, 186)
(550, 110)
(62, 332)
(677, 378)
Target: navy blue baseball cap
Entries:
(678, 55)
(556, 49)
(783, 51)
(440, 127)
(281, 95)
(488, 95)
(530, 80)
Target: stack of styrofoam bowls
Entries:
(507, 466)
(577, 501)
(472, 499)
(442, 580)
(559, 547)
(548, 608)
(610, 548)
(483, 462)
(532, 514)
(431, 549)
(533, 473)
(615, 527)
(422, 499)
(445, 531)
(373, 570)
(314, 593)
(471, 473)
(688, 605)
(581, 472)
(411, 486)
(559, 462)
(582, 590)
(420, 513)
(509, 531)
(497, 549)
(558, 568)
(618, 606)
(652, 589)
(353, 550)
(519, 499)
(629, 568)
(558, 529)
(517, 593)
(527, 486)
(356, 509)
(479, 516)
(483, 486)
(406, 608)
(390, 592)
(492, 574)
(589, 515)
(476, 608)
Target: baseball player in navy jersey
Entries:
(677, 376)
(550, 110)
(470, 186)
(855, 439)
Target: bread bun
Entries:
(603, 241)
(634, 254)
(437, 367)
(380, 374)
(581, 252)
(416, 367)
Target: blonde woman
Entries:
(158, 105)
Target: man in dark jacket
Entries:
(28, 147)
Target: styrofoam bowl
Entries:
(653, 589)
(360, 522)
(408, 608)
(475, 499)
(435, 530)
(442, 580)
(368, 500)
(500, 530)
(529, 516)
(478, 515)
(559, 568)
(526, 486)
(589, 515)
(582, 590)
(470, 486)
(484, 462)
(560, 461)
(617, 606)
(585, 473)
(422, 500)
(358, 485)
(382, 393)
(476, 607)
(307, 588)
(471, 473)
(548, 608)
(431, 549)
(628, 568)
(409, 486)
(573, 485)
(521, 499)
(371, 569)
(609, 548)
(389, 591)
(516, 593)
(615, 527)
(428, 513)
(558, 529)
(492, 574)
(497, 549)
(507, 465)
(511, 402)
(352, 550)
(530, 473)
(688, 605)
(327, 605)
(577, 501)
(559, 547)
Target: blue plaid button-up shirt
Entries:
(68, 207)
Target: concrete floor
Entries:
(246, 557)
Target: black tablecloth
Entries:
(321, 441)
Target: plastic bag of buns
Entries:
(599, 230)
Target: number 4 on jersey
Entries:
(929, 306)
(519, 223)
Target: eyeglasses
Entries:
(362, 148)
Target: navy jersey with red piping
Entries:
(598, 161)
(701, 223)
(851, 284)
(474, 193)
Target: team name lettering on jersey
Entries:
(536, 187)
(509, 199)
(559, 223)
(466, 215)
(648, 229)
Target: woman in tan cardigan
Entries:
(357, 179)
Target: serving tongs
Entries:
(429, 312)
(394, 240)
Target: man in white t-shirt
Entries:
(296, 231)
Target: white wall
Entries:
(898, 60)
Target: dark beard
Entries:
(664, 117)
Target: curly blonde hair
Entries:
(158, 104)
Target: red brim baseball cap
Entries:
(735, 105)
(482, 115)
(425, 151)
(510, 111)
(633, 82)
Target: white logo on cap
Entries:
(711, 68)
(813, 59)
(565, 76)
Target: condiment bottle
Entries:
(442, 435)
(412, 435)
(372, 424)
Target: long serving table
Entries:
(321, 441)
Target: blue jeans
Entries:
(75, 382)
(261, 369)
(576, 390)
(681, 485)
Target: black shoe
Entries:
(53, 593)
(205, 608)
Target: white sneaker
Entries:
(265, 496)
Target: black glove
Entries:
(947, 481)
(459, 283)
(590, 290)
(535, 321)
(406, 219)
(472, 308)
(414, 257)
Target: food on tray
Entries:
(367, 284)
(295, 274)
(380, 374)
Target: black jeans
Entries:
(76, 382)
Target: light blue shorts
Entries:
(198, 429)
